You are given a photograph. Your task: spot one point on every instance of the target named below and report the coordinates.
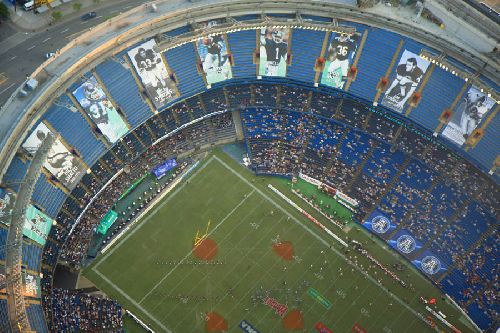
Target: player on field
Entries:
(408, 76)
(339, 51)
(276, 47)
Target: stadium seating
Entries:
(182, 61)
(123, 89)
(242, 46)
(305, 46)
(3, 241)
(48, 196)
(74, 129)
(16, 172)
(36, 318)
(4, 316)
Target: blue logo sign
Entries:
(406, 244)
(431, 265)
(380, 224)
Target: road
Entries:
(17, 62)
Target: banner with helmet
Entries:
(65, 166)
(273, 51)
(37, 225)
(150, 67)
(31, 285)
(339, 56)
(212, 50)
(100, 110)
(430, 264)
(468, 115)
(409, 73)
(379, 224)
(404, 242)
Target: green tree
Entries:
(57, 15)
(77, 6)
(4, 11)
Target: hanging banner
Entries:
(149, 65)
(273, 51)
(65, 166)
(37, 225)
(212, 51)
(430, 264)
(340, 53)
(101, 111)
(379, 223)
(467, 116)
(409, 73)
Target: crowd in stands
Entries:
(419, 184)
(73, 311)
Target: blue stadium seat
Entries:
(4, 317)
(123, 89)
(182, 60)
(48, 196)
(75, 130)
(36, 318)
(437, 95)
(32, 255)
(3, 241)
(16, 172)
(306, 47)
(377, 54)
(241, 46)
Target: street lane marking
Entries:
(1, 92)
(46, 39)
(14, 57)
(31, 47)
(64, 30)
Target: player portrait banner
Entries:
(31, 284)
(6, 205)
(65, 166)
(379, 224)
(99, 108)
(151, 69)
(467, 116)
(212, 51)
(339, 56)
(404, 242)
(36, 225)
(430, 264)
(409, 73)
(273, 51)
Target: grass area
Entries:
(152, 272)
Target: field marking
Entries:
(131, 300)
(191, 252)
(173, 194)
(317, 237)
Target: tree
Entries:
(77, 6)
(57, 15)
(4, 12)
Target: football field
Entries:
(272, 267)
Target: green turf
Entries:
(140, 271)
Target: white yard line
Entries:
(316, 236)
(191, 252)
(131, 300)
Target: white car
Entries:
(49, 55)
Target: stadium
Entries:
(254, 166)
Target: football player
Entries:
(339, 52)
(472, 114)
(276, 47)
(214, 57)
(408, 76)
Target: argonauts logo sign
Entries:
(380, 224)
(431, 265)
(406, 244)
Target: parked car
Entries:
(49, 55)
(88, 16)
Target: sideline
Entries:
(152, 213)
